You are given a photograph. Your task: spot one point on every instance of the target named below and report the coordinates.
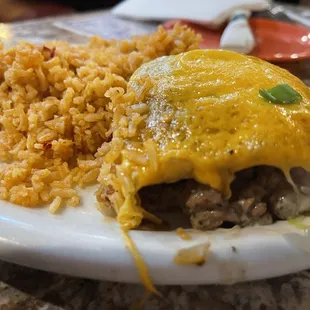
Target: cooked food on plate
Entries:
(160, 126)
(56, 111)
(220, 136)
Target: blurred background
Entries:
(15, 10)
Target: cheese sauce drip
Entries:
(200, 116)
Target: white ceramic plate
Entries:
(81, 242)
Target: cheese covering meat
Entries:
(199, 115)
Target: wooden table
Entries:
(28, 289)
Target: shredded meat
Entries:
(260, 196)
(163, 197)
(205, 206)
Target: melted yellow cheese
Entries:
(205, 120)
(141, 266)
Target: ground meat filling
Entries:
(260, 195)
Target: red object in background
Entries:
(276, 41)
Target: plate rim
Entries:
(86, 253)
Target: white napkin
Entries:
(238, 35)
(210, 12)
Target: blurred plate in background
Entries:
(276, 41)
